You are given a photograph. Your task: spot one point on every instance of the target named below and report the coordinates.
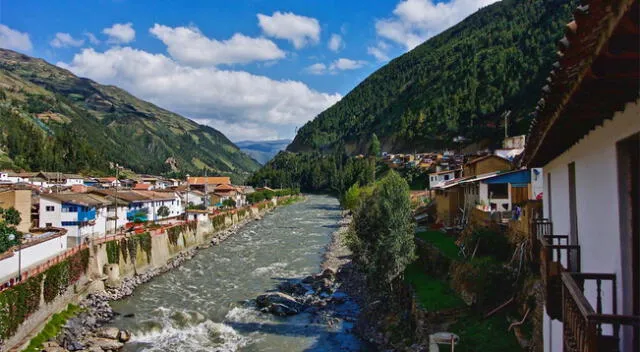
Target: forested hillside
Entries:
(457, 83)
(51, 119)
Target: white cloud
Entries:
(92, 38)
(317, 69)
(336, 43)
(379, 51)
(300, 30)
(13, 39)
(120, 33)
(343, 64)
(340, 64)
(415, 21)
(207, 93)
(190, 46)
(65, 40)
(242, 130)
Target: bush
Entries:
(485, 279)
(17, 304)
(491, 243)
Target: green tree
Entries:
(5, 232)
(229, 203)
(11, 216)
(382, 232)
(374, 146)
(163, 211)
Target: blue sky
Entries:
(253, 69)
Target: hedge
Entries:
(20, 301)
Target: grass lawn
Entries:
(477, 334)
(433, 294)
(445, 243)
(52, 328)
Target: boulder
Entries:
(106, 344)
(292, 288)
(108, 333)
(323, 285)
(267, 299)
(124, 336)
(328, 273)
(282, 310)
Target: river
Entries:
(206, 304)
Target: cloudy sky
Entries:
(255, 69)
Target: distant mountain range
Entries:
(263, 151)
(51, 119)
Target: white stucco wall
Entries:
(31, 256)
(436, 180)
(597, 206)
(484, 197)
(52, 217)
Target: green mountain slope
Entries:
(457, 83)
(78, 124)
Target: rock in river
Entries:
(278, 302)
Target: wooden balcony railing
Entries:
(542, 227)
(589, 330)
(556, 257)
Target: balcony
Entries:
(589, 330)
(86, 215)
(556, 257)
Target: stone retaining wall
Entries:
(100, 270)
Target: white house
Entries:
(73, 179)
(438, 178)
(586, 137)
(82, 214)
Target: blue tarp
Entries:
(517, 178)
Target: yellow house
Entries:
(20, 199)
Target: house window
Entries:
(48, 224)
(446, 177)
(498, 190)
(50, 208)
(69, 223)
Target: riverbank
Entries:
(87, 330)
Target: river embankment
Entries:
(209, 303)
(115, 266)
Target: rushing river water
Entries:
(205, 305)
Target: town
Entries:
(402, 175)
(59, 211)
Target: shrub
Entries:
(485, 279)
(113, 252)
(491, 243)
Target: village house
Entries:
(193, 198)
(108, 182)
(116, 211)
(207, 184)
(438, 178)
(486, 164)
(586, 138)
(10, 177)
(20, 199)
(224, 192)
(82, 215)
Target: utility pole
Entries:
(115, 220)
(186, 207)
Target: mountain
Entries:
(263, 151)
(458, 83)
(54, 120)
